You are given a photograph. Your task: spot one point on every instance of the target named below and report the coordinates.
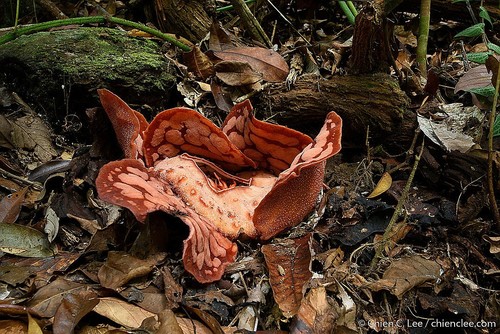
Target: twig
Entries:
(23, 180)
(50, 7)
(423, 36)
(250, 22)
(491, 187)
(288, 21)
(379, 249)
(230, 7)
(91, 19)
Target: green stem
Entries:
(491, 152)
(91, 19)
(423, 36)
(353, 9)
(231, 7)
(17, 13)
(347, 11)
(379, 249)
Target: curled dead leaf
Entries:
(382, 186)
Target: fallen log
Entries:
(363, 101)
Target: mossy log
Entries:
(363, 101)
(62, 69)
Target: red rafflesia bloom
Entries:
(247, 177)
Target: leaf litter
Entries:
(68, 257)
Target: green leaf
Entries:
(24, 241)
(473, 31)
(494, 47)
(479, 57)
(488, 91)
(496, 126)
(485, 15)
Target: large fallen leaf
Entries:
(10, 206)
(193, 326)
(30, 133)
(404, 274)
(288, 265)
(122, 312)
(24, 241)
(265, 61)
(47, 300)
(72, 309)
(15, 271)
(121, 267)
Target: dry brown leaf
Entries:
(121, 312)
(406, 273)
(46, 300)
(316, 315)
(193, 326)
(494, 244)
(30, 133)
(264, 61)
(492, 66)
(168, 323)
(5, 133)
(150, 298)
(382, 186)
(198, 63)
(10, 206)
(121, 267)
(222, 99)
(219, 38)
(73, 308)
(207, 319)
(288, 265)
(236, 73)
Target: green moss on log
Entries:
(82, 60)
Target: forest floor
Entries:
(400, 237)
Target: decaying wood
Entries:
(188, 19)
(373, 101)
(370, 46)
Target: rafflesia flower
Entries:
(246, 178)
